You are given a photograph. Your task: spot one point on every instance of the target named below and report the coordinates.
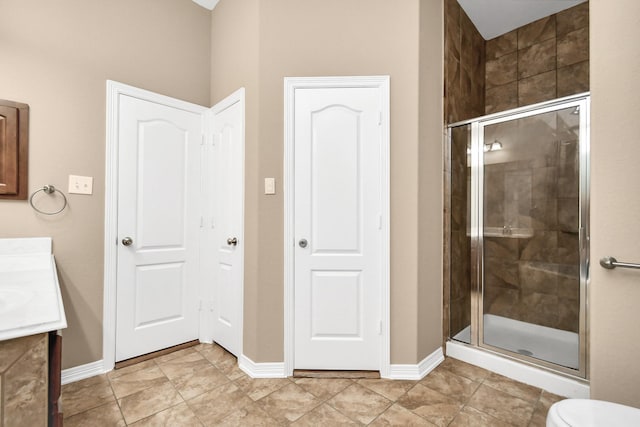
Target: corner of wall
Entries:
(430, 196)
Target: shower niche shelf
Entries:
(509, 233)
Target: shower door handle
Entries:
(610, 263)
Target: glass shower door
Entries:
(460, 289)
(530, 182)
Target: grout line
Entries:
(92, 407)
(117, 401)
(156, 413)
(535, 407)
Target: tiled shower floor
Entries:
(203, 385)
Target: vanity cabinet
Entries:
(30, 381)
(31, 311)
(55, 376)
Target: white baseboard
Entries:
(271, 369)
(419, 370)
(81, 372)
(555, 383)
(261, 370)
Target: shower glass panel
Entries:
(518, 259)
(460, 279)
(531, 201)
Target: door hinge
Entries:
(379, 221)
(201, 222)
(380, 328)
(203, 139)
(380, 118)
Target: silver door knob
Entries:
(127, 241)
(232, 241)
(303, 243)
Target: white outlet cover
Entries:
(80, 184)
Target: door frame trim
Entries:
(291, 84)
(114, 90)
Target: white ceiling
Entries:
(496, 17)
(209, 4)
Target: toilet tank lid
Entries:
(588, 412)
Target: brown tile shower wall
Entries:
(544, 60)
(463, 99)
(464, 66)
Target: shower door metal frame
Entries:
(581, 101)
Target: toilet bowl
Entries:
(591, 413)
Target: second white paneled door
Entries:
(226, 174)
(338, 221)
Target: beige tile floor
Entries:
(203, 385)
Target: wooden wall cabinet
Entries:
(14, 152)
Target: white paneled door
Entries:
(338, 144)
(226, 166)
(158, 223)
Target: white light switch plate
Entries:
(80, 184)
(269, 186)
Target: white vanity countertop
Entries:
(30, 298)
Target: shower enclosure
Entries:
(518, 233)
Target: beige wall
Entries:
(56, 57)
(334, 37)
(615, 201)
(430, 196)
(323, 39)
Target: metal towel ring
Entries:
(48, 189)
